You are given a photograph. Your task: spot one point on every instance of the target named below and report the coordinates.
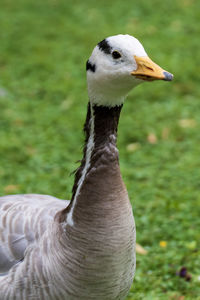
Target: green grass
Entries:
(43, 97)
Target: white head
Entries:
(118, 64)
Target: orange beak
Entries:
(149, 71)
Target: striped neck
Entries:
(100, 148)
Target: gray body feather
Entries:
(23, 220)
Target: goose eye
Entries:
(116, 54)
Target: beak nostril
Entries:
(151, 69)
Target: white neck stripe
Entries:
(89, 149)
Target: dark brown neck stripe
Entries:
(105, 124)
(105, 134)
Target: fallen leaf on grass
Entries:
(30, 150)
(133, 147)
(187, 123)
(18, 123)
(165, 133)
(140, 249)
(152, 138)
(11, 188)
(66, 104)
(177, 297)
(187, 2)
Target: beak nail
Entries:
(168, 76)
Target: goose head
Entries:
(116, 65)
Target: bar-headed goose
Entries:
(85, 248)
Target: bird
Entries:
(53, 249)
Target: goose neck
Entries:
(100, 162)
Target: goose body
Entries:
(52, 249)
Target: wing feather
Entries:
(23, 220)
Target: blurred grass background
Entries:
(43, 49)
